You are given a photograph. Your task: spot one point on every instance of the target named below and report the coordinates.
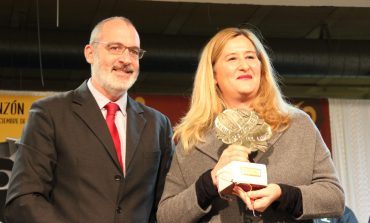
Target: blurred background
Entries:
(320, 48)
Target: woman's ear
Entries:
(214, 76)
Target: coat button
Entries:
(117, 178)
(119, 210)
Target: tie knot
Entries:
(112, 108)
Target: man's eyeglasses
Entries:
(119, 49)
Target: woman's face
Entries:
(237, 72)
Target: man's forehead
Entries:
(118, 31)
(116, 24)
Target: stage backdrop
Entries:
(14, 108)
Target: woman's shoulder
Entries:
(300, 122)
(299, 116)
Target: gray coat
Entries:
(297, 157)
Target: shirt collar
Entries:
(102, 100)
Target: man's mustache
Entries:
(124, 68)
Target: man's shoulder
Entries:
(55, 105)
(145, 109)
(55, 98)
(140, 106)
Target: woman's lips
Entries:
(243, 77)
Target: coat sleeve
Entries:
(324, 196)
(179, 201)
(32, 175)
(167, 150)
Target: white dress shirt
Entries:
(120, 119)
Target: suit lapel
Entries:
(135, 126)
(85, 106)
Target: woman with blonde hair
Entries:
(235, 72)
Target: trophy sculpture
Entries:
(242, 127)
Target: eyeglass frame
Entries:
(131, 50)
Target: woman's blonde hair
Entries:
(206, 100)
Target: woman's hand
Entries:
(259, 200)
(231, 153)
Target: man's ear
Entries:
(89, 53)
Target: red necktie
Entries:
(112, 108)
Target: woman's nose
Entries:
(244, 64)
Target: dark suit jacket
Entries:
(66, 169)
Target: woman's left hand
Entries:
(259, 200)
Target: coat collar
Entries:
(211, 146)
(271, 143)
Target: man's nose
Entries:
(125, 56)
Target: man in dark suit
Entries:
(70, 168)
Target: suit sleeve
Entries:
(28, 197)
(167, 150)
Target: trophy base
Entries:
(248, 176)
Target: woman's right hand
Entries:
(231, 153)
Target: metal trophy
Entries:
(242, 127)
